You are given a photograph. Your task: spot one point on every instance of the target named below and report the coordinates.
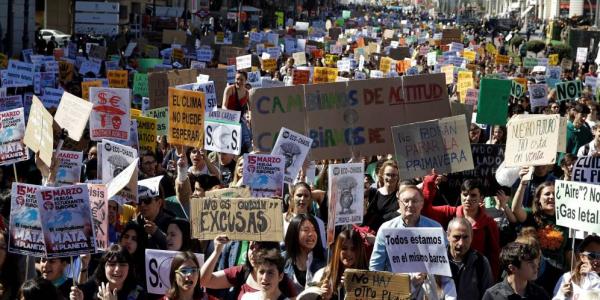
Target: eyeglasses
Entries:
(592, 255)
(187, 271)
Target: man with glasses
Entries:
(153, 217)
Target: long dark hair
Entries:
(186, 236)
(39, 288)
(537, 204)
(576, 270)
(335, 267)
(292, 244)
(178, 260)
(116, 253)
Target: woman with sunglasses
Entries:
(242, 278)
(584, 276)
(301, 203)
(185, 272)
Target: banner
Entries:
(568, 90)
(577, 205)
(73, 114)
(413, 250)
(186, 120)
(363, 285)
(162, 119)
(538, 95)
(158, 269)
(25, 227)
(224, 137)
(146, 130)
(66, 220)
(12, 132)
(294, 147)
(263, 174)
(492, 105)
(110, 113)
(533, 140)
(346, 193)
(99, 208)
(69, 169)
(441, 144)
(587, 169)
(243, 219)
(38, 133)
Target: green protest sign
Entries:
(569, 90)
(148, 63)
(346, 14)
(517, 90)
(140, 84)
(492, 105)
(530, 62)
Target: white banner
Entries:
(222, 136)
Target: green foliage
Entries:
(563, 50)
(516, 41)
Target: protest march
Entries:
(420, 150)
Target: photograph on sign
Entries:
(25, 226)
(263, 174)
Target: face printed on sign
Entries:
(345, 186)
(289, 151)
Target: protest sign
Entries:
(587, 169)
(162, 119)
(553, 59)
(538, 95)
(85, 88)
(140, 84)
(530, 62)
(363, 284)
(532, 140)
(517, 90)
(69, 169)
(117, 78)
(243, 62)
(568, 90)
(222, 136)
(51, 97)
(582, 53)
(244, 219)
(204, 54)
(66, 220)
(159, 82)
(231, 116)
(146, 129)
(236, 192)
(110, 113)
(38, 133)
(124, 184)
(177, 54)
(300, 77)
(186, 117)
(448, 71)
(469, 55)
(299, 58)
(21, 72)
(99, 208)
(385, 64)
(113, 158)
(346, 190)
(577, 205)
(73, 114)
(66, 71)
(502, 59)
(471, 96)
(12, 131)
(294, 147)
(158, 269)
(269, 64)
(441, 144)
(486, 160)
(412, 250)
(208, 88)
(25, 227)
(173, 37)
(492, 105)
(324, 74)
(263, 174)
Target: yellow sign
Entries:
(465, 82)
(178, 54)
(117, 78)
(146, 132)
(521, 81)
(385, 64)
(489, 47)
(269, 64)
(469, 55)
(502, 59)
(403, 65)
(323, 75)
(3, 61)
(331, 60)
(186, 117)
(553, 59)
(135, 112)
(449, 71)
(85, 88)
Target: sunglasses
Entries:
(592, 255)
(187, 271)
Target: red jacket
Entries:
(486, 235)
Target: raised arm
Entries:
(208, 278)
(517, 205)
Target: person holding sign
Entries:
(184, 276)
(584, 275)
(236, 97)
(302, 203)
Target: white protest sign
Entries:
(263, 174)
(299, 58)
(89, 66)
(417, 249)
(12, 132)
(158, 269)
(577, 205)
(99, 207)
(582, 53)
(130, 47)
(532, 140)
(587, 169)
(122, 180)
(343, 65)
(243, 62)
(25, 228)
(222, 136)
(38, 133)
(538, 93)
(73, 114)
(346, 192)
(161, 115)
(254, 79)
(51, 97)
(232, 116)
(441, 144)
(110, 113)
(114, 158)
(204, 54)
(294, 147)
(69, 170)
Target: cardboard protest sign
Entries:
(255, 219)
(117, 78)
(587, 169)
(492, 105)
(236, 192)
(577, 205)
(581, 56)
(486, 160)
(532, 140)
(38, 134)
(441, 144)
(140, 84)
(162, 119)
(85, 88)
(222, 136)
(186, 117)
(66, 220)
(25, 228)
(263, 174)
(569, 90)
(227, 52)
(324, 74)
(99, 208)
(110, 114)
(300, 77)
(159, 82)
(363, 284)
(12, 131)
(399, 53)
(294, 147)
(69, 169)
(158, 269)
(73, 114)
(346, 190)
(450, 35)
(210, 94)
(146, 129)
(538, 95)
(269, 64)
(415, 249)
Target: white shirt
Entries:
(589, 281)
(592, 150)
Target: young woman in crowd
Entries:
(301, 202)
(184, 278)
(179, 237)
(584, 276)
(133, 239)
(383, 202)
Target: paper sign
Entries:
(582, 53)
(323, 74)
(38, 134)
(300, 77)
(20, 71)
(568, 90)
(66, 220)
(269, 64)
(587, 169)
(294, 147)
(25, 228)
(538, 94)
(502, 59)
(256, 219)
(577, 205)
(123, 180)
(363, 284)
(162, 119)
(299, 58)
(263, 174)
(99, 207)
(438, 144)
(243, 62)
(186, 117)
(146, 129)
(469, 55)
(69, 169)
(492, 105)
(114, 158)
(532, 141)
(448, 71)
(412, 250)
(487, 159)
(85, 88)
(158, 269)
(553, 59)
(12, 131)
(204, 54)
(73, 114)
(117, 78)
(140, 84)
(346, 190)
(224, 137)
(110, 114)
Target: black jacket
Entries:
(503, 290)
